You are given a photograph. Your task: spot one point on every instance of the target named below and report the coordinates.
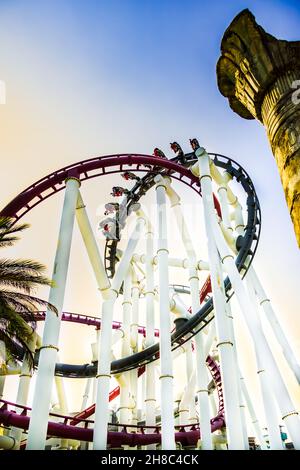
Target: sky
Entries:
(88, 78)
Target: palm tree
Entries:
(18, 280)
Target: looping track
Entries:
(106, 165)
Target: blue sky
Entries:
(86, 78)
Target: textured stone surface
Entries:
(259, 75)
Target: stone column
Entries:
(260, 76)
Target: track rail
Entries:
(66, 426)
(101, 166)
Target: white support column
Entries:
(135, 294)
(2, 385)
(202, 377)
(95, 348)
(86, 394)
(225, 345)
(265, 304)
(61, 394)
(275, 385)
(213, 404)
(63, 405)
(238, 377)
(41, 401)
(266, 386)
(23, 389)
(254, 420)
(92, 247)
(125, 411)
(211, 336)
(187, 396)
(150, 391)
(104, 353)
(166, 366)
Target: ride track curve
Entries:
(120, 163)
(246, 246)
(186, 435)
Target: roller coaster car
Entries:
(130, 176)
(194, 144)
(158, 153)
(118, 191)
(111, 207)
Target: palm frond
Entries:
(19, 278)
(8, 241)
(23, 302)
(11, 342)
(7, 228)
(22, 274)
(14, 329)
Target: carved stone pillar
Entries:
(260, 76)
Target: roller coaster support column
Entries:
(225, 196)
(104, 351)
(2, 384)
(265, 303)
(269, 401)
(125, 411)
(41, 401)
(166, 366)
(135, 294)
(202, 378)
(92, 247)
(23, 389)
(86, 394)
(264, 356)
(63, 405)
(150, 396)
(238, 377)
(255, 423)
(225, 345)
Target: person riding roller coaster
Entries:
(178, 150)
(118, 191)
(194, 144)
(158, 153)
(130, 176)
(111, 207)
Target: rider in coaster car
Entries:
(178, 150)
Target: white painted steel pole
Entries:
(23, 389)
(2, 385)
(238, 377)
(86, 393)
(42, 395)
(266, 386)
(92, 247)
(166, 366)
(135, 295)
(266, 305)
(225, 194)
(265, 359)
(104, 352)
(125, 411)
(254, 420)
(63, 405)
(150, 391)
(225, 345)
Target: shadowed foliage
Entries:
(19, 280)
